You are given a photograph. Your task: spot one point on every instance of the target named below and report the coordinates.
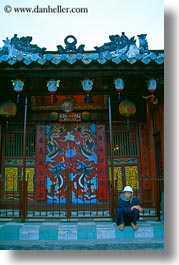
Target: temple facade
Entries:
(76, 126)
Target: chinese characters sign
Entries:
(40, 162)
(11, 179)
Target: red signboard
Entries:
(40, 163)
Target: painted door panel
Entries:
(74, 163)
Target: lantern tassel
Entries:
(18, 99)
(119, 95)
(152, 98)
(87, 98)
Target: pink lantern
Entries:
(119, 85)
(18, 85)
(52, 88)
(152, 86)
(87, 85)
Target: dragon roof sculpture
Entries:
(119, 48)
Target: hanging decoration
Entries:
(119, 86)
(8, 109)
(52, 88)
(127, 108)
(152, 86)
(87, 85)
(18, 85)
(68, 105)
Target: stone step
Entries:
(65, 231)
(105, 244)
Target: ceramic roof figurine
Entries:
(119, 49)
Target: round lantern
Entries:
(8, 109)
(119, 86)
(18, 87)
(152, 86)
(127, 108)
(67, 105)
(87, 85)
(52, 88)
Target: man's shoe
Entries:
(121, 227)
(134, 227)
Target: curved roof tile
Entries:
(119, 49)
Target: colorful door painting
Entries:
(75, 165)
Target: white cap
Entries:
(128, 188)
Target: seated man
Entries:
(128, 209)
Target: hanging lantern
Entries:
(18, 87)
(87, 85)
(8, 109)
(67, 105)
(127, 108)
(152, 86)
(119, 86)
(52, 88)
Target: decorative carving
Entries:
(68, 105)
(4, 50)
(70, 45)
(23, 44)
(120, 48)
(117, 42)
(143, 44)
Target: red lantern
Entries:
(52, 88)
(18, 87)
(119, 86)
(152, 86)
(8, 109)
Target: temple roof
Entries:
(120, 48)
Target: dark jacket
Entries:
(127, 204)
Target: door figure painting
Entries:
(76, 163)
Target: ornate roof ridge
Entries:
(120, 48)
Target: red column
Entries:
(40, 163)
(151, 153)
(102, 163)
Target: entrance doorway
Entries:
(75, 168)
(69, 172)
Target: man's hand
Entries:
(138, 207)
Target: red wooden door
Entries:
(76, 171)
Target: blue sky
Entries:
(104, 18)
